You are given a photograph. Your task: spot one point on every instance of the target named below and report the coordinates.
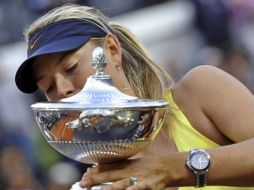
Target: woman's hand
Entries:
(149, 172)
(155, 173)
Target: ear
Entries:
(113, 49)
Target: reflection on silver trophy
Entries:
(100, 124)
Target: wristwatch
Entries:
(198, 162)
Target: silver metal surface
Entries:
(101, 135)
(100, 124)
(133, 180)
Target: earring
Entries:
(119, 68)
(125, 89)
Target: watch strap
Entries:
(201, 180)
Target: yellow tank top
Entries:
(186, 138)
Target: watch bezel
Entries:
(192, 154)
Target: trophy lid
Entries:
(99, 92)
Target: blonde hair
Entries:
(147, 79)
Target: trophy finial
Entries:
(99, 61)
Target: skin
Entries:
(216, 104)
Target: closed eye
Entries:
(72, 68)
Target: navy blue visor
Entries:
(56, 37)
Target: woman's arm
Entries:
(230, 107)
(232, 165)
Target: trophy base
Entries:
(76, 186)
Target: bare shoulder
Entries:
(204, 74)
(210, 81)
(220, 96)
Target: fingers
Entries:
(124, 183)
(119, 174)
(148, 183)
(94, 169)
(103, 173)
(89, 180)
(145, 185)
(111, 166)
(118, 185)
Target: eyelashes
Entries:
(72, 68)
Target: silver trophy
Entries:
(100, 124)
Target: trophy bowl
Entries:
(99, 135)
(100, 124)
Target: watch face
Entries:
(200, 161)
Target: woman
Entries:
(207, 138)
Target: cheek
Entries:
(80, 78)
(117, 78)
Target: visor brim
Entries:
(24, 79)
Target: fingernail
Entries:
(83, 184)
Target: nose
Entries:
(64, 85)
